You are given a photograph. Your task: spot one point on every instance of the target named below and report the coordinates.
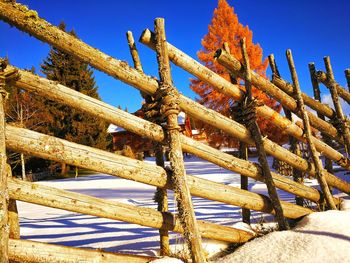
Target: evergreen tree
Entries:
(225, 27)
(68, 123)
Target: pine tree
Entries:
(225, 27)
(68, 123)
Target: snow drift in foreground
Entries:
(319, 237)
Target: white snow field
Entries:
(55, 226)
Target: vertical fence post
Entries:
(259, 143)
(13, 220)
(307, 129)
(161, 195)
(170, 110)
(4, 198)
(317, 96)
(298, 176)
(342, 125)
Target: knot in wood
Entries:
(245, 111)
(339, 124)
(151, 110)
(168, 96)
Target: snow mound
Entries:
(167, 260)
(319, 237)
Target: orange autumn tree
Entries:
(225, 27)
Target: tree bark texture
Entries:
(120, 70)
(84, 204)
(314, 154)
(255, 131)
(51, 148)
(77, 100)
(179, 180)
(4, 198)
(342, 92)
(243, 154)
(37, 252)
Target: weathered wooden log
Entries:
(133, 51)
(317, 96)
(263, 84)
(294, 144)
(255, 131)
(312, 103)
(171, 110)
(152, 131)
(13, 220)
(347, 76)
(342, 92)
(51, 148)
(314, 154)
(118, 69)
(344, 129)
(37, 252)
(4, 199)
(161, 196)
(184, 61)
(243, 154)
(84, 204)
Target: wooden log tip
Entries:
(146, 36)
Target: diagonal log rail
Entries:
(55, 149)
(232, 64)
(44, 31)
(187, 63)
(314, 104)
(38, 252)
(89, 205)
(67, 96)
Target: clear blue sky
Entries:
(312, 29)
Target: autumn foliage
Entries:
(225, 27)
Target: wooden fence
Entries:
(51, 148)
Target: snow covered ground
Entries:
(62, 227)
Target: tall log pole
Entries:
(4, 198)
(342, 92)
(40, 29)
(161, 195)
(294, 145)
(317, 96)
(171, 111)
(347, 76)
(344, 128)
(315, 157)
(77, 100)
(255, 131)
